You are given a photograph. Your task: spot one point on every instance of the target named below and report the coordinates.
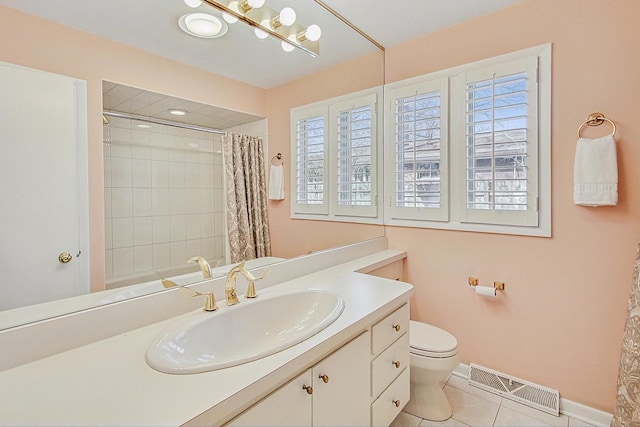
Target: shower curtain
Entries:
(246, 197)
(627, 410)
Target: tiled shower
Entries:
(164, 198)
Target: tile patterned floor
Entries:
(473, 407)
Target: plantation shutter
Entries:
(501, 171)
(417, 157)
(353, 134)
(310, 173)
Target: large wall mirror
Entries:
(139, 238)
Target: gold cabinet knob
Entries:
(324, 378)
(65, 257)
(396, 328)
(397, 403)
(308, 388)
(396, 363)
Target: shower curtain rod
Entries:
(161, 122)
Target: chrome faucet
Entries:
(205, 268)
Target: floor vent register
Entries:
(536, 396)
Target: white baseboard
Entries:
(567, 407)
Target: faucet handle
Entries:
(251, 289)
(210, 303)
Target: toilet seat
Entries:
(429, 341)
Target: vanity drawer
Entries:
(390, 329)
(391, 401)
(387, 366)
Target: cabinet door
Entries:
(290, 405)
(341, 386)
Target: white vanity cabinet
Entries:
(390, 366)
(334, 392)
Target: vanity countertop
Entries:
(109, 383)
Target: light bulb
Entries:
(229, 18)
(261, 34)
(287, 16)
(255, 4)
(286, 46)
(313, 33)
(193, 3)
(235, 6)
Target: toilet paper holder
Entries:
(498, 286)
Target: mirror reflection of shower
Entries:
(164, 188)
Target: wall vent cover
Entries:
(536, 396)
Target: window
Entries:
(416, 128)
(336, 171)
(311, 160)
(471, 146)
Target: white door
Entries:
(43, 187)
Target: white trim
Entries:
(568, 407)
(542, 54)
(328, 210)
(82, 156)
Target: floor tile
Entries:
(470, 409)
(451, 422)
(510, 418)
(557, 421)
(577, 423)
(405, 420)
(463, 384)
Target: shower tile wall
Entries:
(163, 197)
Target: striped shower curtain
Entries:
(247, 222)
(627, 410)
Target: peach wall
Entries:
(560, 321)
(37, 43)
(297, 237)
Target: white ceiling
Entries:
(151, 25)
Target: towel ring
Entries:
(277, 157)
(596, 119)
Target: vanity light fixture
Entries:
(247, 5)
(235, 6)
(286, 17)
(313, 33)
(266, 22)
(193, 3)
(178, 112)
(202, 25)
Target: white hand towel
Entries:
(595, 172)
(276, 182)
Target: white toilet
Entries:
(433, 356)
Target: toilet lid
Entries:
(428, 340)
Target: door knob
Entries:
(65, 257)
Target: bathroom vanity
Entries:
(353, 372)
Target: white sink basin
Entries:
(244, 332)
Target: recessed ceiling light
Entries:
(202, 25)
(177, 112)
(144, 126)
